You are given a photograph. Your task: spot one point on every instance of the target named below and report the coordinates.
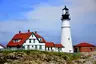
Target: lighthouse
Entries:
(66, 40)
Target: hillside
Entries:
(42, 57)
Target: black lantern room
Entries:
(65, 14)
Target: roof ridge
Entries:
(24, 32)
(84, 44)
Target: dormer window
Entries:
(16, 40)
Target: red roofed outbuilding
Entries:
(49, 44)
(84, 47)
(59, 46)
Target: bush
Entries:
(75, 56)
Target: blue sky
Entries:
(44, 16)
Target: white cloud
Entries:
(83, 6)
(48, 13)
(45, 14)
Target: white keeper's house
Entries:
(32, 41)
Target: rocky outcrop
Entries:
(32, 58)
(38, 57)
(86, 58)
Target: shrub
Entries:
(75, 56)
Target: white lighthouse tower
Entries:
(66, 40)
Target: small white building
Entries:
(32, 41)
(50, 46)
(1, 47)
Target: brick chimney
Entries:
(35, 31)
(19, 32)
(28, 30)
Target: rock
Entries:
(11, 56)
(16, 62)
(32, 62)
(88, 62)
(6, 63)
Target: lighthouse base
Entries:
(66, 50)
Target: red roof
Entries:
(23, 37)
(49, 44)
(2, 45)
(59, 45)
(84, 44)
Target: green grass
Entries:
(25, 51)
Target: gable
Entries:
(36, 37)
(31, 39)
(39, 37)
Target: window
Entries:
(40, 47)
(40, 39)
(28, 46)
(23, 47)
(51, 48)
(70, 50)
(60, 48)
(29, 40)
(48, 48)
(32, 45)
(33, 40)
(32, 35)
(91, 49)
(68, 38)
(16, 40)
(35, 46)
(19, 40)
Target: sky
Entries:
(44, 16)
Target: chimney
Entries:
(28, 30)
(19, 32)
(35, 31)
